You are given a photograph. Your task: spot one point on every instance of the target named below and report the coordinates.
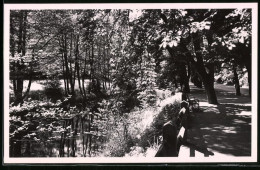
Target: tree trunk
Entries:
(77, 65)
(75, 137)
(20, 65)
(189, 71)
(184, 79)
(210, 91)
(17, 147)
(236, 81)
(67, 69)
(19, 91)
(64, 76)
(19, 76)
(206, 73)
(83, 79)
(90, 73)
(28, 87)
(71, 73)
(28, 149)
(92, 63)
(91, 58)
(248, 67)
(208, 82)
(30, 80)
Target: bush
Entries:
(119, 141)
(147, 98)
(36, 95)
(53, 90)
(32, 121)
(152, 134)
(243, 79)
(117, 146)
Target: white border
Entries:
(252, 158)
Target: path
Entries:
(224, 129)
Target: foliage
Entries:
(28, 122)
(226, 76)
(125, 63)
(53, 90)
(129, 130)
(42, 125)
(115, 127)
(151, 134)
(36, 95)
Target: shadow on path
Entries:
(224, 128)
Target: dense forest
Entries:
(105, 72)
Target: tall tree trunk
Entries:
(19, 90)
(184, 78)
(108, 71)
(206, 73)
(208, 81)
(12, 52)
(249, 72)
(29, 84)
(83, 78)
(92, 63)
(211, 95)
(90, 73)
(189, 73)
(71, 72)
(75, 137)
(19, 65)
(91, 57)
(19, 76)
(77, 65)
(67, 70)
(64, 76)
(236, 81)
(30, 78)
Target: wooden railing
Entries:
(175, 133)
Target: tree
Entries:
(233, 43)
(238, 40)
(199, 31)
(18, 38)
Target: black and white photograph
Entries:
(130, 83)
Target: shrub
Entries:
(135, 151)
(153, 133)
(53, 90)
(147, 98)
(28, 123)
(117, 145)
(36, 95)
(243, 79)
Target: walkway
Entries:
(224, 129)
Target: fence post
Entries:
(172, 139)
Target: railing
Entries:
(175, 133)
